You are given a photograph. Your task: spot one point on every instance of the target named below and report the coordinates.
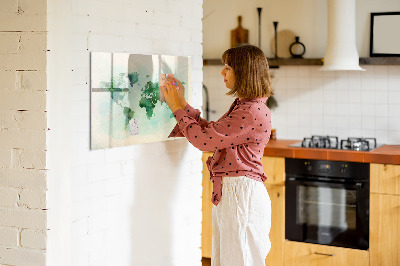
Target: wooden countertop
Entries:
(389, 154)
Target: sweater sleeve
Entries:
(193, 113)
(231, 130)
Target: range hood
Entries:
(341, 51)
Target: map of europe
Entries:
(126, 105)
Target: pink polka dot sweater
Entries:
(238, 139)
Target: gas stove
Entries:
(332, 142)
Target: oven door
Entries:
(327, 213)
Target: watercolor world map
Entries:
(126, 105)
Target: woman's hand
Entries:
(172, 94)
(181, 92)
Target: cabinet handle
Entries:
(324, 254)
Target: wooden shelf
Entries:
(274, 63)
(380, 61)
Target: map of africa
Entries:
(125, 97)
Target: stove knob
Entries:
(308, 166)
(343, 168)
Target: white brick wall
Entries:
(135, 205)
(23, 132)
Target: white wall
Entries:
(135, 205)
(306, 19)
(23, 133)
(311, 102)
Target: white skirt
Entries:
(241, 223)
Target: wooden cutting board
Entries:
(239, 35)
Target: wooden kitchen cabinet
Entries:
(305, 254)
(277, 233)
(206, 225)
(385, 215)
(385, 178)
(274, 168)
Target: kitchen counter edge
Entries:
(386, 154)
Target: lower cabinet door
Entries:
(277, 233)
(298, 254)
(384, 226)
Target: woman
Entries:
(242, 208)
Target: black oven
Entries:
(327, 202)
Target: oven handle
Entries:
(357, 185)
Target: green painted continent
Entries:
(149, 97)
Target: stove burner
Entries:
(328, 142)
(358, 144)
(332, 142)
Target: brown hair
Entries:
(250, 66)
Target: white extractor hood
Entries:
(341, 51)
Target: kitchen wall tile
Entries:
(368, 122)
(380, 84)
(316, 82)
(317, 108)
(394, 110)
(331, 131)
(354, 80)
(342, 133)
(342, 109)
(381, 123)
(315, 72)
(367, 109)
(329, 93)
(381, 110)
(394, 137)
(367, 133)
(355, 122)
(328, 74)
(291, 132)
(329, 109)
(369, 70)
(394, 123)
(292, 82)
(293, 120)
(342, 122)
(380, 71)
(355, 96)
(342, 96)
(394, 97)
(317, 131)
(342, 80)
(394, 82)
(366, 99)
(355, 132)
(317, 95)
(381, 97)
(278, 83)
(291, 71)
(329, 122)
(304, 131)
(355, 109)
(317, 121)
(394, 71)
(304, 72)
(304, 109)
(303, 82)
(367, 96)
(381, 136)
(367, 82)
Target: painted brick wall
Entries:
(23, 133)
(136, 205)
